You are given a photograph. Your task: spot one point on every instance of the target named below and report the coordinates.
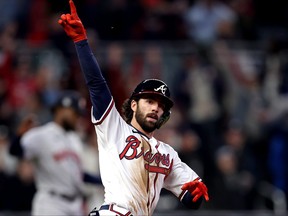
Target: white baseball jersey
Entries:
(133, 167)
(56, 154)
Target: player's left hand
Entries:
(197, 189)
(72, 24)
(30, 121)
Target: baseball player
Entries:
(134, 165)
(55, 149)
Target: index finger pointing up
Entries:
(73, 9)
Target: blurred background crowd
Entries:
(224, 60)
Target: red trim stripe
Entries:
(157, 145)
(156, 177)
(120, 214)
(105, 114)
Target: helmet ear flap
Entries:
(163, 119)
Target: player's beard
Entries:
(145, 125)
(67, 125)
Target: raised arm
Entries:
(25, 125)
(99, 91)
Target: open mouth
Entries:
(152, 116)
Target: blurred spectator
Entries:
(8, 164)
(154, 65)
(202, 87)
(230, 187)
(147, 63)
(38, 21)
(200, 95)
(237, 139)
(7, 49)
(245, 24)
(235, 159)
(20, 188)
(274, 78)
(9, 11)
(22, 82)
(240, 68)
(114, 73)
(189, 150)
(51, 74)
(162, 20)
(277, 153)
(209, 20)
(3, 180)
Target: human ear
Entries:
(133, 105)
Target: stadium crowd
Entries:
(226, 64)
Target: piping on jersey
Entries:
(156, 176)
(148, 180)
(105, 114)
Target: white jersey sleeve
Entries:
(180, 174)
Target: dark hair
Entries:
(127, 112)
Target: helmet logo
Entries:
(66, 102)
(163, 89)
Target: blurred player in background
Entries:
(55, 149)
(134, 165)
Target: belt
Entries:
(69, 198)
(119, 211)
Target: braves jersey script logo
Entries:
(133, 151)
(163, 89)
